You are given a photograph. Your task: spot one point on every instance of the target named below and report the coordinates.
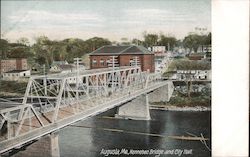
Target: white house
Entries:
(159, 51)
(194, 74)
(59, 63)
(15, 75)
(62, 68)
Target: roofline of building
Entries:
(126, 49)
(115, 54)
(16, 71)
(12, 59)
(121, 52)
(96, 50)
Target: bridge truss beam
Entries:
(54, 99)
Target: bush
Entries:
(13, 86)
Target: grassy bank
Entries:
(182, 100)
(12, 88)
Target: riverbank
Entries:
(178, 108)
(187, 97)
(183, 103)
(12, 88)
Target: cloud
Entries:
(157, 15)
(107, 22)
(43, 17)
(14, 35)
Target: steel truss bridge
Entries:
(54, 101)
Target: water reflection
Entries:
(82, 141)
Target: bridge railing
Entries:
(52, 98)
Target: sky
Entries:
(112, 19)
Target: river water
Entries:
(102, 134)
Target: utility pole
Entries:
(45, 80)
(77, 78)
(113, 73)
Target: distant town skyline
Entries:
(108, 19)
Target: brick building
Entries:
(123, 56)
(13, 64)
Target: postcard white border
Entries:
(230, 81)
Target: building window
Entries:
(131, 62)
(94, 62)
(102, 62)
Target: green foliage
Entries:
(4, 46)
(48, 51)
(23, 41)
(193, 65)
(13, 86)
(94, 43)
(197, 99)
(125, 41)
(150, 40)
(191, 102)
(168, 74)
(45, 51)
(169, 42)
(18, 50)
(15, 50)
(193, 41)
(184, 64)
(154, 40)
(137, 42)
(208, 39)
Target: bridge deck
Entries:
(68, 115)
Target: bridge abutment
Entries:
(46, 146)
(136, 109)
(162, 94)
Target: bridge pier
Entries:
(136, 109)
(46, 146)
(162, 94)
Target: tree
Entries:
(58, 50)
(19, 51)
(193, 41)
(4, 46)
(43, 50)
(74, 48)
(124, 41)
(96, 42)
(137, 42)
(150, 40)
(191, 65)
(169, 42)
(23, 41)
(208, 39)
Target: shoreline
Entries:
(182, 109)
